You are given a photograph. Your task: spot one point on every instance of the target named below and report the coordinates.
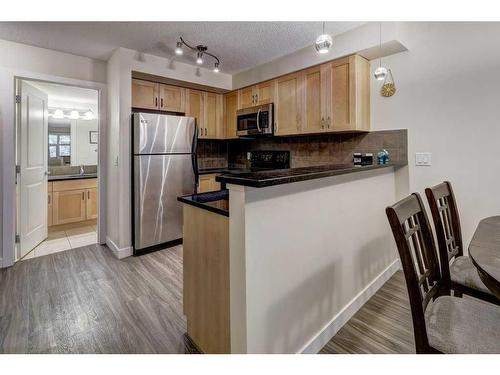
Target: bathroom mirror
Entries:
(72, 142)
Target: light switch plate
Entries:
(423, 159)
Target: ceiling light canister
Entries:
(199, 58)
(178, 49)
(216, 68)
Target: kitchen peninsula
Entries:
(276, 263)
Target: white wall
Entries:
(310, 254)
(448, 98)
(82, 151)
(19, 60)
(34, 59)
(120, 67)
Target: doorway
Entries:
(56, 168)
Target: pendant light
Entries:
(89, 115)
(380, 72)
(74, 115)
(323, 42)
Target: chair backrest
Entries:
(417, 251)
(446, 224)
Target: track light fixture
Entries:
(200, 50)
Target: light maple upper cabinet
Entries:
(157, 96)
(247, 97)
(312, 94)
(172, 98)
(347, 94)
(259, 94)
(288, 104)
(230, 109)
(214, 115)
(145, 94)
(194, 108)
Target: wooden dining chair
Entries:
(459, 274)
(441, 323)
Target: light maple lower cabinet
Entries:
(72, 201)
(207, 183)
(91, 204)
(69, 206)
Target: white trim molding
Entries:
(338, 321)
(119, 253)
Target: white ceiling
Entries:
(239, 45)
(71, 97)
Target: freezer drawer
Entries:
(163, 134)
(158, 181)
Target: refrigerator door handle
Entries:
(194, 156)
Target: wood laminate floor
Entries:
(382, 325)
(86, 301)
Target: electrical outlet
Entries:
(116, 160)
(423, 159)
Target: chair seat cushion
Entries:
(463, 325)
(463, 272)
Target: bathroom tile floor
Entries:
(66, 237)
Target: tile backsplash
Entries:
(305, 150)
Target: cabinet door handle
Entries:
(88, 194)
(156, 102)
(161, 102)
(83, 195)
(322, 123)
(205, 132)
(48, 196)
(328, 122)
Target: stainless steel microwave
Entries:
(255, 121)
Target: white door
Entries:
(33, 160)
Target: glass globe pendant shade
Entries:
(323, 43)
(380, 73)
(89, 115)
(74, 115)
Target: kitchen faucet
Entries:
(82, 170)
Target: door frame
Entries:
(9, 145)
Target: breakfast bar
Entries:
(307, 244)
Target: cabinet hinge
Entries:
(18, 169)
(18, 98)
(18, 238)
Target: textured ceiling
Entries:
(239, 45)
(67, 96)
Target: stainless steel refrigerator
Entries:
(164, 168)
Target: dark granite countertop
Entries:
(215, 201)
(286, 176)
(71, 177)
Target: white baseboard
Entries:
(119, 253)
(330, 329)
